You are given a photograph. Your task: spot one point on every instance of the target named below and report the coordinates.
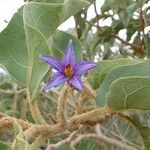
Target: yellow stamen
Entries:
(69, 71)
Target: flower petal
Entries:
(69, 57)
(83, 66)
(76, 82)
(57, 79)
(55, 63)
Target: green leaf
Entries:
(125, 18)
(122, 129)
(37, 45)
(41, 20)
(60, 40)
(88, 144)
(130, 93)
(145, 132)
(103, 67)
(116, 5)
(64, 147)
(71, 7)
(6, 85)
(20, 142)
(104, 34)
(80, 22)
(49, 1)
(42, 17)
(141, 121)
(118, 128)
(4, 146)
(13, 50)
(37, 69)
(46, 17)
(140, 69)
(127, 14)
(133, 26)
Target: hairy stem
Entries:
(61, 109)
(36, 114)
(6, 123)
(76, 104)
(72, 123)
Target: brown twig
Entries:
(125, 42)
(142, 20)
(89, 25)
(95, 9)
(134, 47)
(93, 24)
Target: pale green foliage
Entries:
(139, 69)
(13, 53)
(121, 80)
(103, 67)
(130, 93)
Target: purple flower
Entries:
(67, 69)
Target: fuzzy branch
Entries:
(61, 109)
(72, 123)
(36, 114)
(6, 123)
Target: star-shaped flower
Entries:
(68, 70)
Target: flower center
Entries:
(69, 71)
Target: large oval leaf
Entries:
(122, 129)
(103, 67)
(130, 93)
(140, 69)
(13, 50)
(141, 121)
